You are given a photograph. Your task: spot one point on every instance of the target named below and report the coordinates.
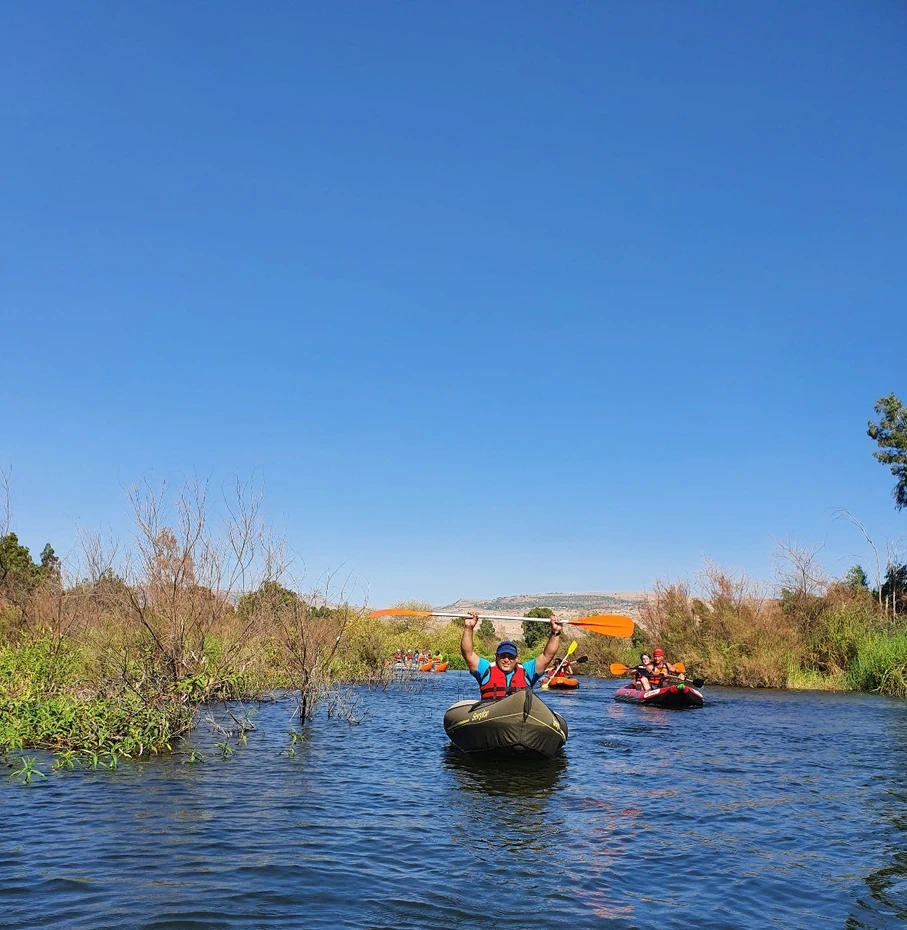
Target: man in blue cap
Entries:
(506, 675)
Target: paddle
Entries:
(603, 624)
(695, 682)
(616, 668)
(682, 669)
(561, 664)
(578, 661)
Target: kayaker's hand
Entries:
(471, 621)
(556, 627)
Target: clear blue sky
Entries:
(491, 297)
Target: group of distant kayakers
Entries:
(417, 656)
(418, 659)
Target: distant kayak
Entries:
(677, 695)
(562, 683)
(520, 724)
(441, 667)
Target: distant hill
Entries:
(567, 606)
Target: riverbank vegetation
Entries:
(114, 655)
(820, 633)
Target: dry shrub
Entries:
(724, 628)
(200, 604)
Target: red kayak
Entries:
(674, 695)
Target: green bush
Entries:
(880, 664)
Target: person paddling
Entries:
(506, 675)
(661, 669)
(643, 671)
(564, 670)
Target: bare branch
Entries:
(843, 512)
(5, 502)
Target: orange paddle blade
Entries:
(605, 624)
(680, 667)
(399, 612)
(617, 669)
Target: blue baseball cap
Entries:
(507, 648)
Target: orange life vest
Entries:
(495, 685)
(659, 676)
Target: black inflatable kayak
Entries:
(520, 724)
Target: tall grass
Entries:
(880, 664)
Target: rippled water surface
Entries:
(762, 809)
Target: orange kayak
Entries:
(441, 667)
(560, 682)
(426, 666)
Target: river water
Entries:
(762, 809)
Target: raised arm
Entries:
(466, 646)
(551, 647)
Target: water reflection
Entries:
(527, 780)
(888, 885)
(503, 803)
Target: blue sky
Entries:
(489, 298)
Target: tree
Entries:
(487, 631)
(856, 579)
(270, 599)
(543, 613)
(891, 435)
(894, 590)
(534, 633)
(418, 625)
(50, 564)
(18, 573)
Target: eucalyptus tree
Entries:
(890, 432)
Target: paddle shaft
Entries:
(436, 613)
(604, 624)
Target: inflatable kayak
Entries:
(673, 695)
(563, 683)
(519, 724)
(441, 667)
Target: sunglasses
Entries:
(504, 655)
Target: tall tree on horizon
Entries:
(891, 435)
(534, 633)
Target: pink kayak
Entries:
(678, 694)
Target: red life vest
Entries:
(495, 685)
